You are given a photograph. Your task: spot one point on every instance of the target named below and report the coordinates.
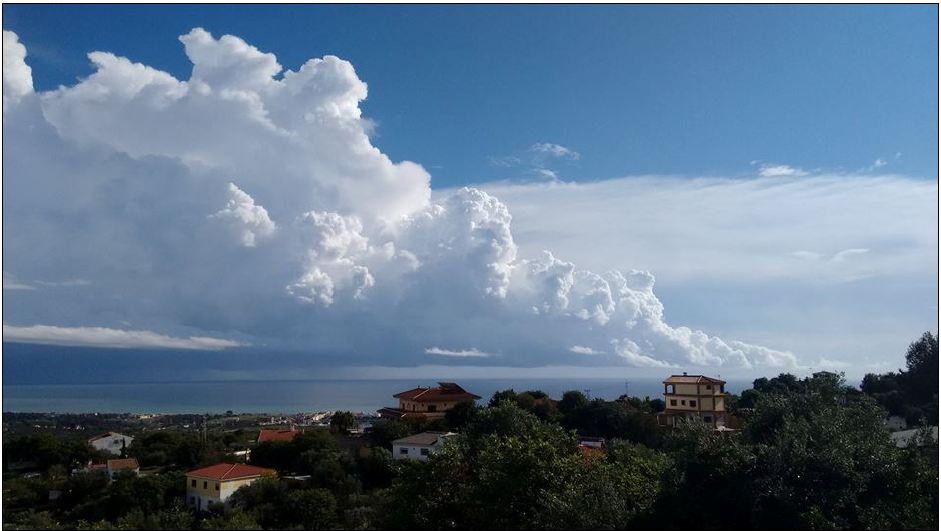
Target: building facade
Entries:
(111, 442)
(214, 485)
(429, 402)
(419, 447)
(693, 398)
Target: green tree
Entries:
(343, 422)
(312, 508)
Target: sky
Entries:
(744, 189)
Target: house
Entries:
(591, 442)
(916, 437)
(112, 467)
(118, 466)
(111, 442)
(429, 402)
(693, 397)
(277, 435)
(896, 423)
(419, 447)
(215, 484)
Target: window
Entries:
(217, 486)
(193, 499)
(193, 483)
(682, 402)
(432, 408)
(692, 403)
(672, 403)
(205, 484)
(424, 451)
(707, 418)
(403, 451)
(709, 388)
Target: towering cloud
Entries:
(248, 203)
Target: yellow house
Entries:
(693, 397)
(215, 484)
(429, 402)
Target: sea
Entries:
(288, 396)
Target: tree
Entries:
(922, 362)
(312, 508)
(460, 415)
(500, 396)
(386, 431)
(343, 422)
(571, 401)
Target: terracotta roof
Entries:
(123, 464)
(691, 379)
(227, 471)
(445, 392)
(588, 452)
(428, 438)
(277, 435)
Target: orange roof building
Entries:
(430, 402)
(277, 435)
(213, 485)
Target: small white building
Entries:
(111, 442)
(896, 423)
(419, 447)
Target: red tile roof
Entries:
(227, 471)
(691, 379)
(123, 464)
(277, 435)
(445, 392)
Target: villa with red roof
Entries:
(215, 484)
(277, 435)
(429, 402)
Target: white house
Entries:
(419, 447)
(111, 442)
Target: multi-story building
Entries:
(215, 484)
(430, 402)
(693, 397)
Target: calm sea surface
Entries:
(282, 396)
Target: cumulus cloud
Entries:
(87, 336)
(250, 221)
(126, 179)
(17, 75)
(468, 353)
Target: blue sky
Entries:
(739, 188)
(691, 90)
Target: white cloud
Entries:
(780, 170)
(119, 180)
(586, 351)
(554, 150)
(10, 282)
(468, 353)
(251, 221)
(879, 162)
(17, 75)
(92, 336)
